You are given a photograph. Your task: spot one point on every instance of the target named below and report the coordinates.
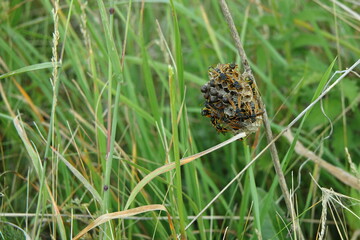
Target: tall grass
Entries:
(113, 98)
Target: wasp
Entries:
(205, 112)
(232, 65)
(218, 125)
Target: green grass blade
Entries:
(80, 177)
(176, 158)
(30, 68)
(253, 189)
(276, 55)
(35, 158)
(318, 91)
(171, 166)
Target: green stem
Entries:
(178, 184)
(253, 189)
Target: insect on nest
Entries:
(231, 100)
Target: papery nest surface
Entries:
(231, 100)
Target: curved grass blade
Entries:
(79, 176)
(126, 213)
(30, 68)
(171, 166)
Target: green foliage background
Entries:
(290, 45)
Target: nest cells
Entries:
(231, 100)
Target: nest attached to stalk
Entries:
(231, 100)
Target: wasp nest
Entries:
(231, 100)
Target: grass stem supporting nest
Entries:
(269, 135)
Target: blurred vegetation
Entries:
(9, 233)
(290, 45)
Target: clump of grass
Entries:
(113, 129)
(8, 233)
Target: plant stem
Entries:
(269, 135)
(174, 123)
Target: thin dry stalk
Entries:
(291, 124)
(330, 199)
(337, 172)
(269, 135)
(325, 200)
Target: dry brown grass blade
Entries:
(171, 166)
(122, 214)
(35, 159)
(339, 173)
(28, 100)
